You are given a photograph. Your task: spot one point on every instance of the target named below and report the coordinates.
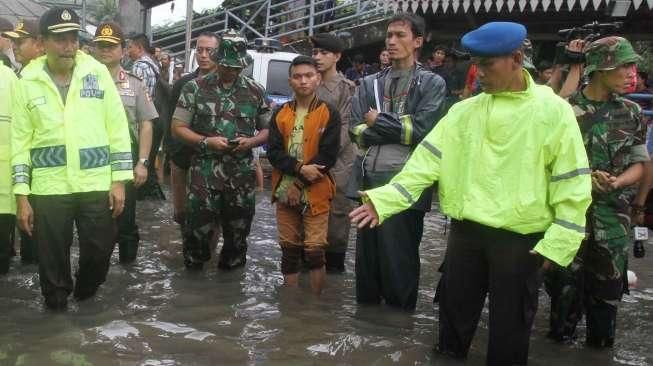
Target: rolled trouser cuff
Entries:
(291, 257)
(315, 258)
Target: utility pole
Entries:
(84, 15)
(189, 31)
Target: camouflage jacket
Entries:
(211, 110)
(614, 137)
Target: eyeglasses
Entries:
(208, 50)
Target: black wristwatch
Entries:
(203, 144)
(144, 161)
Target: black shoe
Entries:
(335, 262)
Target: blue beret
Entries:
(494, 39)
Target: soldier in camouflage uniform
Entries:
(218, 114)
(614, 138)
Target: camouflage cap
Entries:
(232, 50)
(609, 53)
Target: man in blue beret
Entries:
(514, 178)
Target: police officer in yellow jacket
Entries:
(71, 152)
(7, 203)
(109, 44)
(514, 177)
(26, 47)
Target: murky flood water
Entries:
(156, 313)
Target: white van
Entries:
(270, 69)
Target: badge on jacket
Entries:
(91, 88)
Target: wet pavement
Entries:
(156, 313)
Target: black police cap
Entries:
(59, 20)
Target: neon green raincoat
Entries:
(80, 146)
(7, 83)
(512, 160)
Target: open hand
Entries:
(364, 215)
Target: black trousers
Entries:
(7, 227)
(481, 260)
(128, 237)
(54, 217)
(29, 251)
(387, 261)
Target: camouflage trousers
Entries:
(592, 285)
(231, 208)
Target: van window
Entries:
(277, 83)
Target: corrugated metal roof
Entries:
(12, 10)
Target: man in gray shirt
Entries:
(391, 112)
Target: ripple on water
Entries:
(164, 362)
(340, 346)
(199, 336)
(624, 357)
(116, 329)
(169, 327)
(259, 311)
(642, 296)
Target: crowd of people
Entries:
(551, 201)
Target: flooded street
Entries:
(156, 313)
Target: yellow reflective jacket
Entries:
(512, 160)
(81, 146)
(7, 83)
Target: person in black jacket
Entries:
(392, 111)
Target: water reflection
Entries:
(156, 313)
